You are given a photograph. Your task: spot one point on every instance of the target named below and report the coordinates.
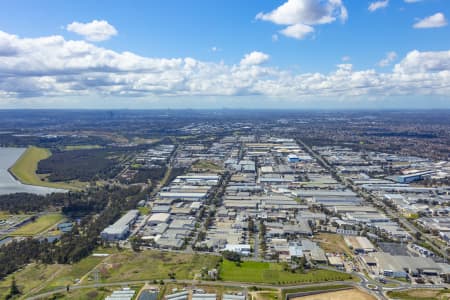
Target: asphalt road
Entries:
(194, 282)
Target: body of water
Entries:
(8, 184)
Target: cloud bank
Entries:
(52, 66)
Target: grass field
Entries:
(29, 278)
(206, 164)
(38, 278)
(86, 294)
(41, 224)
(265, 295)
(120, 266)
(264, 272)
(148, 265)
(74, 272)
(25, 168)
(340, 295)
(420, 294)
(141, 141)
(144, 210)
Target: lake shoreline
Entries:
(10, 183)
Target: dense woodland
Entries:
(83, 165)
(105, 206)
(25, 203)
(144, 175)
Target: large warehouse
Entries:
(120, 229)
(400, 266)
(359, 244)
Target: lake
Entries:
(8, 184)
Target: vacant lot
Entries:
(265, 295)
(263, 272)
(420, 294)
(32, 277)
(149, 265)
(340, 295)
(333, 243)
(38, 278)
(206, 164)
(86, 294)
(74, 272)
(41, 224)
(25, 169)
(313, 288)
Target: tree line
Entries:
(84, 237)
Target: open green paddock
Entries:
(265, 272)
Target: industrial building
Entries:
(359, 244)
(233, 297)
(336, 261)
(124, 294)
(120, 229)
(178, 296)
(183, 196)
(412, 177)
(292, 158)
(158, 218)
(400, 265)
(202, 296)
(241, 249)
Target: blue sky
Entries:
(193, 53)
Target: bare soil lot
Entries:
(340, 295)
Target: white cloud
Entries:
(413, 1)
(378, 5)
(425, 62)
(254, 58)
(297, 31)
(274, 37)
(434, 21)
(388, 59)
(54, 68)
(95, 31)
(346, 58)
(301, 15)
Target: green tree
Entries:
(14, 289)
(136, 243)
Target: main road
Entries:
(199, 282)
